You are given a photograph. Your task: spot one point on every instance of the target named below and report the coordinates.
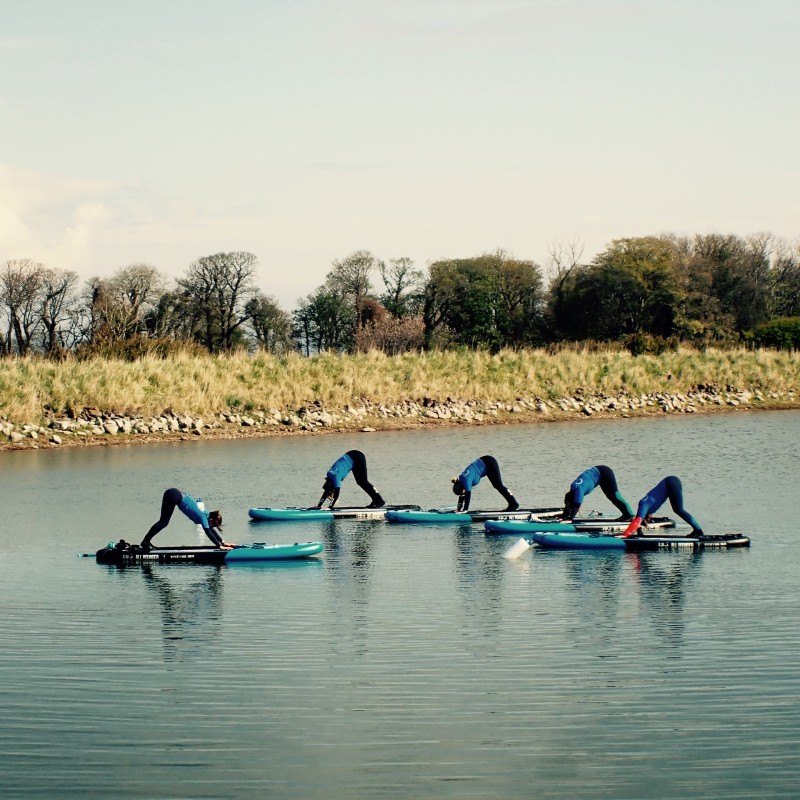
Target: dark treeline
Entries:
(648, 292)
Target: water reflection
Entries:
(352, 549)
(603, 581)
(595, 578)
(662, 583)
(191, 607)
(350, 561)
(479, 581)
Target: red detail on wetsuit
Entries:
(633, 527)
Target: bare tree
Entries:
(403, 286)
(351, 278)
(565, 256)
(57, 309)
(20, 287)
(106, 319)
(135, 289)
(391, 334)
(785, 300)
(564, 265)
(302, 317)
(755, 278)
(219, 287)
(117, 306)
(174, 315)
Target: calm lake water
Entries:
(406, 662)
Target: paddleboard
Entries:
(273, 552)
(320, 514)
(447, 516)
(710, 542)
(577, 541)
(604, 541)
(587, 525)
(133, 554)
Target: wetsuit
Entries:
(175, 498)
(352, 461)
(669, 489)
(587, 482)
(483, 467)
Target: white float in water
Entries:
(517, 549)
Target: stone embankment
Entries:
(94, 426)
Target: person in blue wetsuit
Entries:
(587, 482)
(669, 489)
(484, 467)
(211, 522)
(352, 461)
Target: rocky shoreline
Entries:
(93, 426)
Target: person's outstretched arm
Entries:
(213, 534)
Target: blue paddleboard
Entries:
(447, 516)
(578, 541)
(273, 552)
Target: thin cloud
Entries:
(53, 219)
(94, 226)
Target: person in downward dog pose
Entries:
(352, 461)
(587, 482)
(211, 522)
(484, 467)
(668, 489)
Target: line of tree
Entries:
(704, 289)
(215, 305)
(710, 288)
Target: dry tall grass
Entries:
(203, 385)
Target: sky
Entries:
(159, 131)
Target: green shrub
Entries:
(782, 333)
(137, 347)
(639, 344)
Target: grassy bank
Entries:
(29, 388)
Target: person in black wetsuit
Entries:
(589, 480)
(352, 461)
(483, 467)
(669, 489)
(211, 522)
